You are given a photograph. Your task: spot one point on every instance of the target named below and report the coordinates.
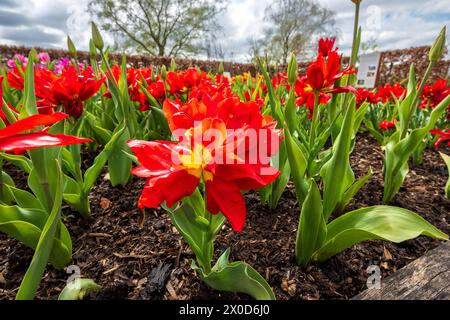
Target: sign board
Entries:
(369, 65)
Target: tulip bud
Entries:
(97, 37)
(356, 1)
(92, 49)
(438, 47)
(173, 65)
(292, 70)
(221, 68)
(163, 72)
(33, 56)
(71, 47)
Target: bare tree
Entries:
(294, 23)
(158, 27)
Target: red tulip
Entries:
(322, 74)
(209, 154)
(72, 89)
(432, 95)
(366, 96)
(305, 95)
(388, 92)
(326, 45)
(444, 136)
(14, 139)
(386, 125)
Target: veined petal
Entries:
(232, 205)
(247, 176)
(31, 123)
(156, 155)
(21, 142)
(170, 187)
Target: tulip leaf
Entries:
(311, 232)
(25, 199)
(398, 151)
(446, 159)
(119, 165)
(95, 170)
(352, 190)
(77, 289)
(337, 173)
(297, 164)
(378, 222)
(236, 277)
(19, 161)
(33, 276)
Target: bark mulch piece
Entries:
(153, 262)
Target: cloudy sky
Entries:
(394, 23)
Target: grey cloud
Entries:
(30, 36)
(12, 19)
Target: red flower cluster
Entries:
(389, 92)
(224, 143)
(432, 95)
(365, 95)
(68, 90)
(386, 125)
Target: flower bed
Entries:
(142, 182)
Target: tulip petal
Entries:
(31, 123)
(170, 187)
(232, 205)
(21, 142)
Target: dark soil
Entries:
(153, 262)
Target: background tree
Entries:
(158, 27)
(295, 24)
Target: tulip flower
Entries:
(15, 138)
(305, 96)
(71, 89)
(322, 74)
(365, 95)
(386, 125)
(174, 171)
(432, 95)
(389, 92)
(444, 136)
(326, 45)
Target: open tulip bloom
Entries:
(208, 167)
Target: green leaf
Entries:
(6, 196)
(95, 170)
(32, 278)
(311, 231)
(377, 222)
(352, 190)
(24, 225)
(446, 159)
(398, 151)
(25, 199)
(337, 173)
(77, 289)
(119, 165)
(298, 165)
(236, 277)
(21, 162)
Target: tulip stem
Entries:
(312, 135)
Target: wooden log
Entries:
(427, 278)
